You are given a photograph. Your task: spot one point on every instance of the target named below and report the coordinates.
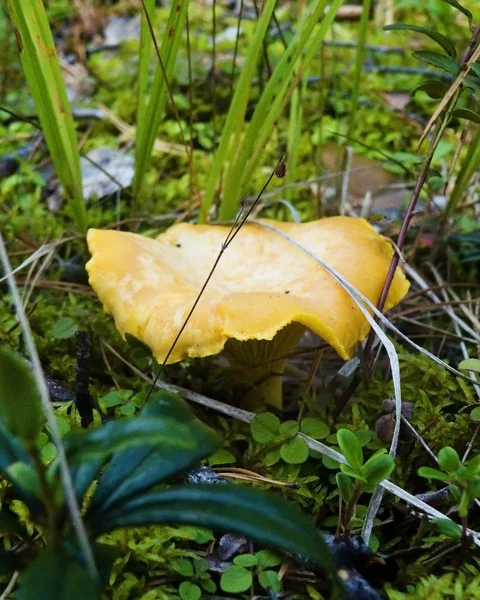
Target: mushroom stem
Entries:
(261, 364)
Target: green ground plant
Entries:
(221, 124)
(163, 440)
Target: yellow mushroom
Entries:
(262, 296)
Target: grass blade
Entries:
(42, 71)
(358, 70)
(236, 113)
(294, 132)
(272, 103)
(144, 56)
(149, 121)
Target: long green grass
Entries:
(42, 71)
(242, 159)
(152, 102)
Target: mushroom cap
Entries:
(261, 284)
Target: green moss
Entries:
(460, 584)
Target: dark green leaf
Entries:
(83, 475)
(125, 434)
(20, 404)
(430, 473)
(54, 576)
(469, 115)
(449, 460)
(443, 41)
(134, 471)
(235, 580)
(475, 68)
(471, 83)
(433, 89)
(351, 448)
(463, 10)
(438, 60)
(12, 451)
(264, 427)
(259, 516)
(473, 237)
(294, 451)
(448, 528)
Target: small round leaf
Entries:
(288, 429)
(314, 428)
(189, 591)
(221, 457)
(268, 558)
(294, 451)
(269, 580)
(246, 560)
(64, 328)
(235, 579)
(264, 427)
(272, 457)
